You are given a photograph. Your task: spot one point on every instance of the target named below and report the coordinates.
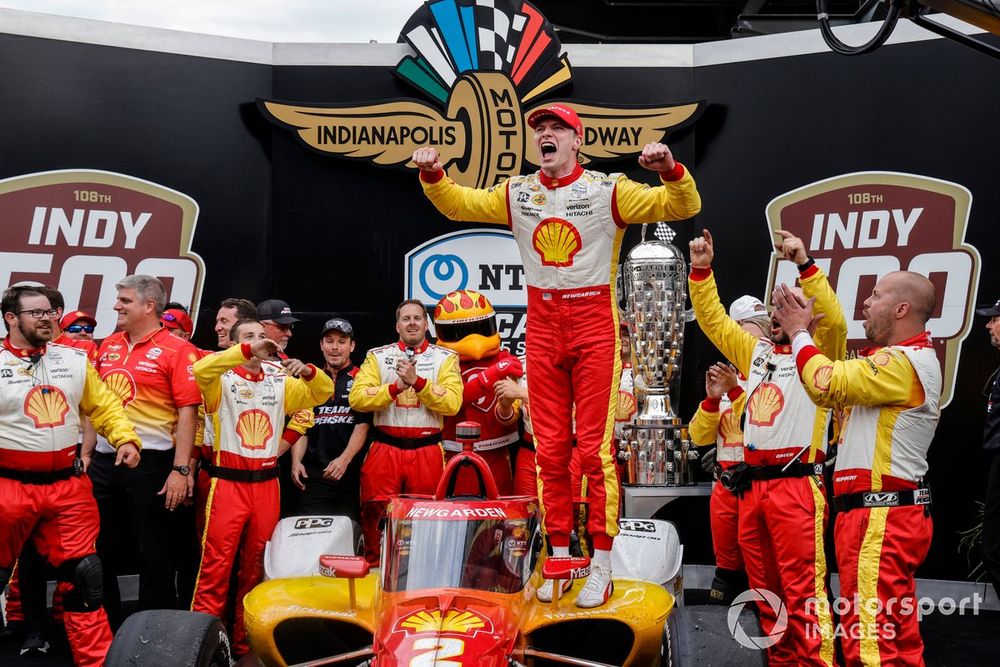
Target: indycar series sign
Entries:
(484, 260)
(82, 231)
(859, 227)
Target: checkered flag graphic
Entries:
(664, 233)
(499, 27)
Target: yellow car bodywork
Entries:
(642, 606)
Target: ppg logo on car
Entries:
(309, 522)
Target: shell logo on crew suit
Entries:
(121, 384)
(821, 378)
(46, 406)
(626, 406)
(765, 404)
(557, 241)
(729, 429)
(254, 428)
(408, 399)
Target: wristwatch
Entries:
(184, 470)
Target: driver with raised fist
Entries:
(568, 224)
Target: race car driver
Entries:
(568, 224)
(411, 386)
(466, 323)
(44, 391)
(247, 406)
(785, 446)
(883, 527)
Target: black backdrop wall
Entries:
(329, 235)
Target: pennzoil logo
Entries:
(46, 406)
(860, 227)
(485, 67)
(453, 622)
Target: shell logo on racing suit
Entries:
(255, 429)
(765, 404)
(46, 406)
(557, 241)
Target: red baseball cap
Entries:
(76, 316)
(565, 114)
(174, 318)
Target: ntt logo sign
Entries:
(763, 596)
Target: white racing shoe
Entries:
(598, 588)
(544, 592)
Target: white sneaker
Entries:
(598, 588)
(544, 592)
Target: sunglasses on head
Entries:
(169, 317)
(80, 328)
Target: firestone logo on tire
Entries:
(760, 596)
(485, 67)
(859, 227)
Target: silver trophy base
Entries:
(658, 455)
(657, 411)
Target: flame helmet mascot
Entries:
(465, 322)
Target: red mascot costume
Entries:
(465, 322)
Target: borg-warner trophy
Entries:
(656, 448)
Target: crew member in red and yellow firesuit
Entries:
(717, 422)
(248, 407)
(716, 428)
(569, 224)
(785, 446)
(411, 386)
(44, 391)
(26, 595)
(883, 527)
(466, 323)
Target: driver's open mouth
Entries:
(548, 147)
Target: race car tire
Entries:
(170, 637)
(699, 636)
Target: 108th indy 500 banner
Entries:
(81, 231)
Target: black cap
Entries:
(276, 310)
(338, 324)
(989, 311)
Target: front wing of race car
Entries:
(307, 618)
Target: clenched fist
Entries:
(656, 157)
(427, 159)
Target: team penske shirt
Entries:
(334, 422)
(153, 377)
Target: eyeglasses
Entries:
(38, 313)
(80, 328)
(279, 325)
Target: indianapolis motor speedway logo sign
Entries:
(485, 65)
